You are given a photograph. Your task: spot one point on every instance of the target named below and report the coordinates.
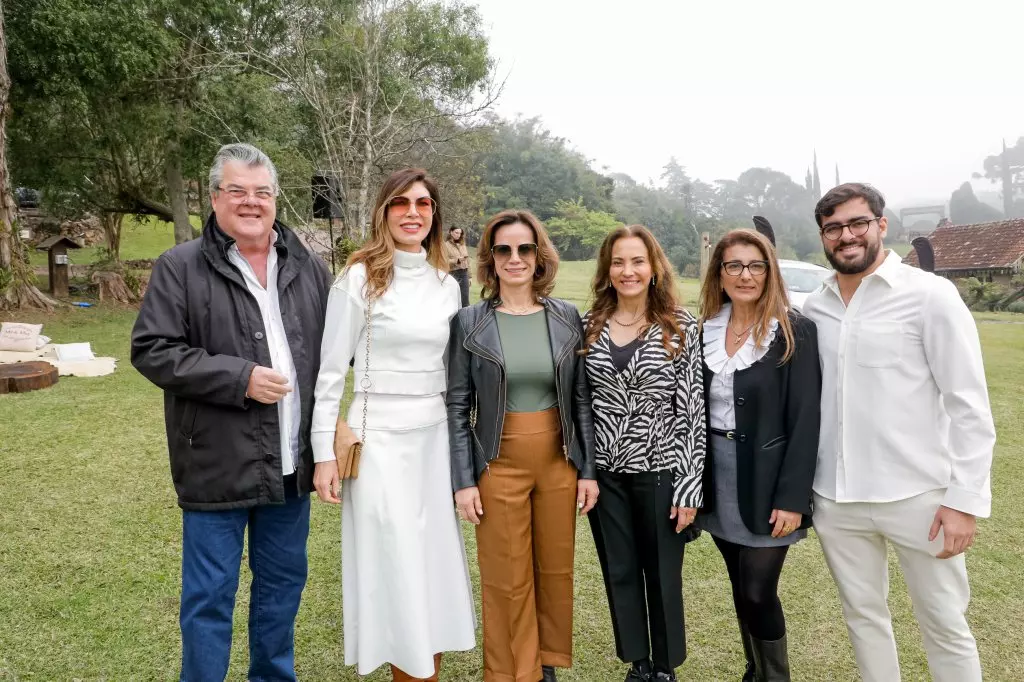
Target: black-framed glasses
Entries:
(425, 206)
(858, 228)
(504, 251)
(239, 194)
(735, 268)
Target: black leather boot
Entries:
(771, 659)
(750, 674)
(549, 673)
(640, 672)
(664, 676)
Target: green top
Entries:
(529, 365)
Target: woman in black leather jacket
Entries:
(522, 446)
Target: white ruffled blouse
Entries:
(721, 409)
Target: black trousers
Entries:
(641, 558)
(462, 277)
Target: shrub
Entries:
(981, 296)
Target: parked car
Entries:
(26, 197)
(802, 279)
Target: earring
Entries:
(654, 280)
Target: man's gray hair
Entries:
(243, 153)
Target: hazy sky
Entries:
(910, 96)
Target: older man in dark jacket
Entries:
(230, 329)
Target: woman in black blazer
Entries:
(763, 388)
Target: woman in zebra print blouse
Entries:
(643, 360)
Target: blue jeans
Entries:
(210, 562)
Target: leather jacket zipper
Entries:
(500, 421)
(566, 443)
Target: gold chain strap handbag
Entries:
(347, 447)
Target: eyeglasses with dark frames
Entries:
(858, 228)
(735, 268)
(504, 251)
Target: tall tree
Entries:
(965, 208)
(578, 232)
(528, 167)
(87, 129)
(787, 205)
(1007, 168)
(376, 78)
(16, 287)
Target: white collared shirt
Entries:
(904, 403)
(721, 404)
(288, 408)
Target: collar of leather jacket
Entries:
(482, 337)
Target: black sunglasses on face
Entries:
(504, 251)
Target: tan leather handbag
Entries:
(348, 449)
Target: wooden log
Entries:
(22, 377)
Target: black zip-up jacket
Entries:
(198, 337)
(476, 379)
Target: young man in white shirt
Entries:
(906, 439)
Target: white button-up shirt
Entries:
(904, 404)
(288, 408)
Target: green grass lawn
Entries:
(90, 545)
(139, 239)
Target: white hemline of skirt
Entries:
(406, 592)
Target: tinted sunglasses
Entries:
(504, 251)
(424, 205)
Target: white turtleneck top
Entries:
(409, 328)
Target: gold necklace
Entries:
(743, 333)
(517, 311)
(636, 319)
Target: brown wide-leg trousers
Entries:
(525, 544)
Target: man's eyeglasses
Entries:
(425, 206)
(734, 268)
(858, 228)
(504, 251)
(238, 194)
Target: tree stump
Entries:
(22, 377)
(112, 287)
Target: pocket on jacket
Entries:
(188, 419)
(774, 442)
(879, 344)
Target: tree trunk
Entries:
(205, 209)
(16, 280)
(111, 223)
(176, 193)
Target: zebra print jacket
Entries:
(650, 417)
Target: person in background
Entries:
(522, 447)
(457, 255)
(763, 387)
(405, 582)
(906, 443)
(230, 329)
(643, 360)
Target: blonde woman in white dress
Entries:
(406, 593)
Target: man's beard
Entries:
(856, 267)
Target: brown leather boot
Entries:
(398, 675)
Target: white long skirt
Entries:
(406, 593)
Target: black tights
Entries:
(754, 574)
